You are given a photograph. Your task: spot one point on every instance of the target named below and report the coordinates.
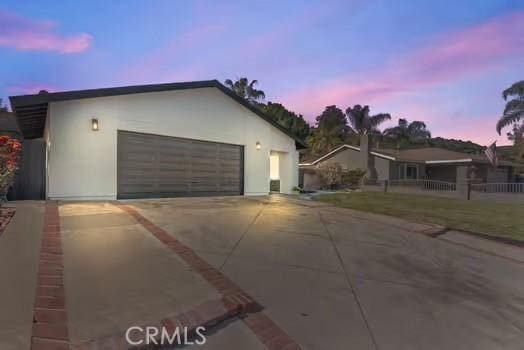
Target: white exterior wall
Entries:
(82, 164)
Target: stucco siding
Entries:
(83, 163)
(382, 167)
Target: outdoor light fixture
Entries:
(94, 124)
(259, 146)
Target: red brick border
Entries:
(206, 314)
(50, 330)
(264, 328)
(6, 214)
(269, 333)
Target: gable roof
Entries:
(315, 160)
(31, 110)
(428, 155)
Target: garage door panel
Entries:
(162, 166)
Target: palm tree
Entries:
(245, 89)
(408, 132)
(362, 123)
(514, 110)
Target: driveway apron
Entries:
(117, 275)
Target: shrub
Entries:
(10, 149)
(330, 174)
(353, 177)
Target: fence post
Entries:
(386, 184)
(469, 191)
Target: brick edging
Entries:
(50, 313)
(10, 212)
(207, 314)
(274, 337)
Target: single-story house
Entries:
(410, 164)
(164, 140)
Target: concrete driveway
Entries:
(326, 278)
(339, 279)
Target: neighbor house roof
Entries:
(31, 110)
(428, 155)
(318, 159)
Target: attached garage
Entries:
(163, 166)
(163, 140)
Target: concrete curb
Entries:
(498, 239)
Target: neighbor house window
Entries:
(411, 172)
(407, 171)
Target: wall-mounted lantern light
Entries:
(259, 146)
(94, 124)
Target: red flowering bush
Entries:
(10, 149)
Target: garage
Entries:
(152, 166)
(160, 140)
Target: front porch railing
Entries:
(430, 185)
(499, 187)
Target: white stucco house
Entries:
(163, 140)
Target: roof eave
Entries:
(22, 102)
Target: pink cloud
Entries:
(446, 59)
(26, 34)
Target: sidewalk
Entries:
(19, 256)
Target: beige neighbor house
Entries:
(411, 164)
(164, 140)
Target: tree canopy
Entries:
(361, 122)
(290, 120)
(334, 127)
(406, 132)
(331, 130)
(332, 118)
(246, 89)
(514, 110)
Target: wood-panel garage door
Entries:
(152, 166)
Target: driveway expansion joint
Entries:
(348, 279)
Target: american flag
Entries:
(491, 153)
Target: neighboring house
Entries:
(422, 163)
(164, 140)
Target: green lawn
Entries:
(496, 219)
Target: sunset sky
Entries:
(442, 62)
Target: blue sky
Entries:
(443, 62)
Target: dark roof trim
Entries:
(32, 109)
